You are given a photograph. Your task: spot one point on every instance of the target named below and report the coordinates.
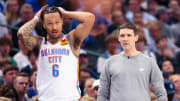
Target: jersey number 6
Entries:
(55, 70)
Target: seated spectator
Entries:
(9, 74)
(141, 46)
(155, 33)
(176, 79)
(21, 57)
(175, 28)
(26, 14)
(95, 86)
(83, 58)
(84, 74)
(5, 48)
(32, 59)
(8, 92)
(12, 12)
(170, 89)
(32, 89)
(163, 52)
(167, 67)
(117, 19)
(21, 85)
(89, 91)
(3, 63)
(105, 8)
(4, 30)
(134, 7)
(112, 45)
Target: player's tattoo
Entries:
(29, 28)
(25, 34)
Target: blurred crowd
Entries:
(157, 21)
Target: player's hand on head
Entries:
(38, 14)
(62, 11)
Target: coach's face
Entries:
(127, 38)
(53, 25)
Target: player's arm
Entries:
(83, 29)
(25, 32)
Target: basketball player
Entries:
(57, 60)
(127, 76)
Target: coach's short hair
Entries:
(129, 26)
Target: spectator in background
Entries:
(3, 63)
(141, 45)
(9, 74)
(118, 6)
(21, 85)
(8, 92)
(151, 7)
(83, 58)
(175, 28)
(105, 9)
(112, 45)
(176, 79)
(5, 48)
(155, 33)
(174, 5)
(167, 67)
(32, 89)
(37, 4)
(162, 14)
(84, 74)
(169, 86)
(95, 86)
(21, 57)
(88, 90)
(26, 14)
(170, 89)
(4, 30)
(134, 7)
(163, 52)
(117, 20)
(12, 12)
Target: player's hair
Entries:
(129, 26)
(48, 10)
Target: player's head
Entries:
(52, 21)
(128, 36)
